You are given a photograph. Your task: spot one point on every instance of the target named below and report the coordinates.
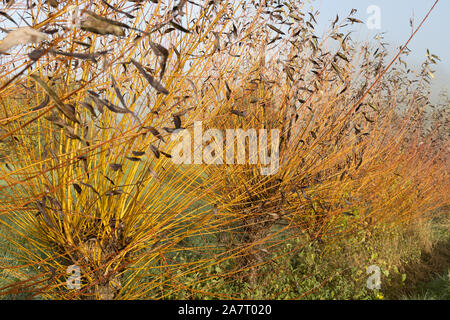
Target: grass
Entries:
(323, 274)
(436, 289)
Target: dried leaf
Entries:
(155, 133)
(177, 121)
(114, 192)
(178, 27)
(90, 186)
(90, 108)
(154, 83)
(275, 29)
(7, 16)
(82, 56)
(43, 104)
(36, 54)
(155, 151)
(77, 188)
(342, 56)
(19, 36)
(162, 52)
(354, 20)
(100, 25)
(115, 166)
(61, 106)
(119, 95)
(338, 71)
(133, 159)
(237, 112)
(166, 154)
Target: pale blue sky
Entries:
(395, 16)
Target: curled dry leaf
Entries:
(65, 109)
(90, 108)
(77, 188)
(19, 36)
(167, 155)
(91, 187)
(177, 121)
(155, 151)
(154, 83)
(275, 29)
(100, 25)
(155, 133)
(238, 113)
(133, 159)
(179, 27)
(43, 104)
(163, 53)
(115, 166)
(114, 192)
(7, 16)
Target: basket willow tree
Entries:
(88, 181)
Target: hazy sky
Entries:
(395, 16)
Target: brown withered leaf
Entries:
(354, 20)
(114, 108)
(115, 166)
(167, 155)
(71, 133)
(100, 25)
(342, 56)
(338, 71)
(159, 50)
(61, 106)
(105, 103)
(91, 187)
(135, 159)
(107, 178)
(7, 16)
(228, 93)
(43, 104)
(155, 133)
(163, 53)
(367, 118)
(154, 83)
(77, 188)
(155, 151)
(90, 108)
(178, 27)
(118, 93)
(275, 29)
(138, 153)
(79, 55)
(177, 121)
(36, 54)
(114, 192)
(237, 112)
